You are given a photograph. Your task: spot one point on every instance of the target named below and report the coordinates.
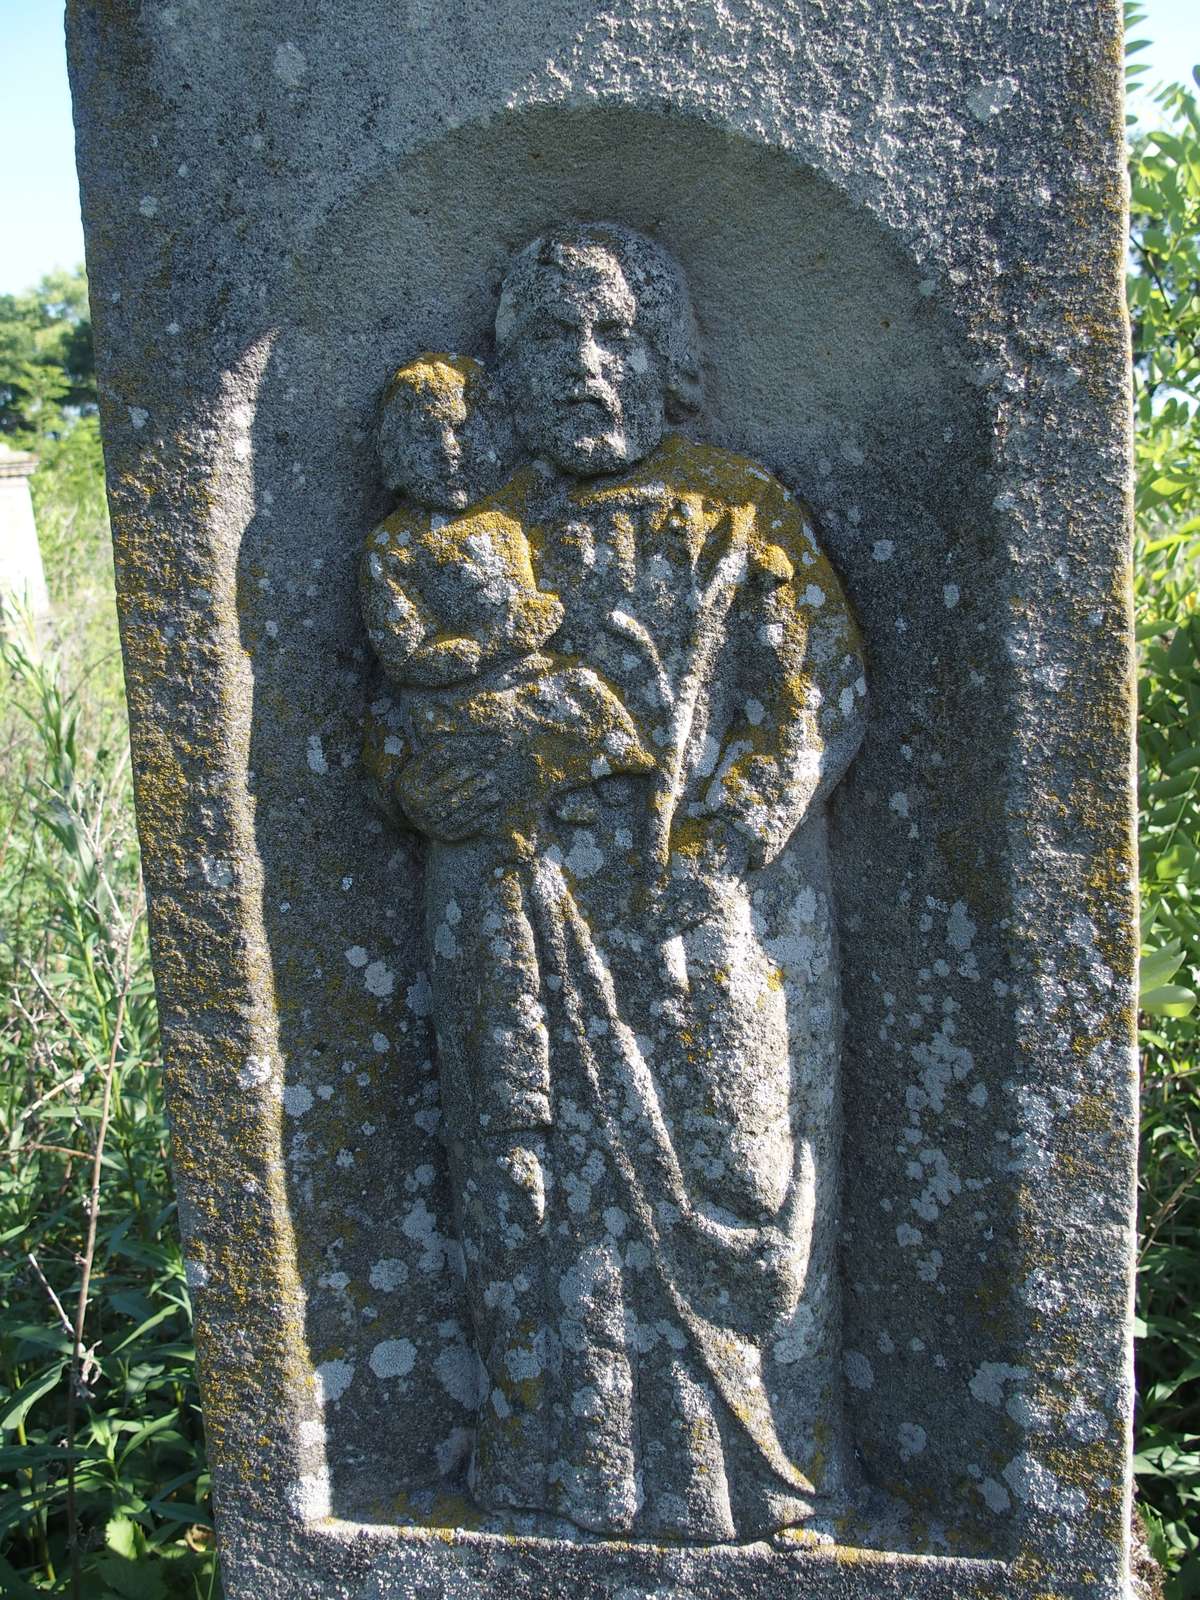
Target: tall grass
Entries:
(1167, 593)
(103, 1482)
(1168, 1446)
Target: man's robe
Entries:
(673, 1358)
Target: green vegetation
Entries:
(1164, 293)
(103, 1484)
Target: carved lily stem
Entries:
(711, 611)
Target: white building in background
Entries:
(21, 573)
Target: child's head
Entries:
(444, 436)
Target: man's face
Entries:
(584, 384)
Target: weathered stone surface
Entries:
(901, 227)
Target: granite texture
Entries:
(902, 226)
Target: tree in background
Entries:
(47, 370)
(48, 405)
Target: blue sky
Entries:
(38, 198)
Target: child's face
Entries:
(422, 443)
(441, 451)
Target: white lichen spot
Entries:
(797, 1342)
(218, 874)
(884, 549)
(988, 99)
(813, 596)
(988, 1383)
(138, 417)
(461, 1374)
(356, 956)
(899, 803)
(297, 1099)
(522, 1364)
(912, 1439)
(379, 980)
(995, 1495)
(586, 1402)
(393, 1358)
(859, 1372)
(585, 858)
(255, 1071)
(148, 205)
(1034, 1484)
(388, 1275)
(290, 65)
(316, 755)
(310, 1431)
(950, 595)
(333, 1379)
(615, 1221)
(309, 1496)
(196, 1273)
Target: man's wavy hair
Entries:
(664, 306)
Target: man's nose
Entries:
(451, 450)
(586, 356)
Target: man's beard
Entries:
(591, 439)
(600, 450)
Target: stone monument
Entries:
(621, 526)
(22, 577)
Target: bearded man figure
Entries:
(660, 1327)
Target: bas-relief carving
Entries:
(621, 676)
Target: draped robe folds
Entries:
(651, 1263)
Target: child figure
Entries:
(455, 615)
(453, 608)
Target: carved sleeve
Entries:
(799, 710)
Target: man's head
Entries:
(444, 436)
(597, 346)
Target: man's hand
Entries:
(706, 853)
(451, 790)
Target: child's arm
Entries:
(397, 620)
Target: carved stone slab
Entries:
(621, 526)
